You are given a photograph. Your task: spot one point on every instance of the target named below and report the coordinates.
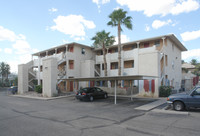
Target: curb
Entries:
(170, 112)
(42, 98)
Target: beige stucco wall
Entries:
(174, 58)
(149, 66)
(49, 77)
(22, 78)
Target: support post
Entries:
(115, 92)
(131, 90)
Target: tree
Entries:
(197, 69)
(193, 62)
(4, 71)
(182, 61)
(103, 40)
(118, 18)
(7, 70)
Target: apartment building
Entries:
(158, 56)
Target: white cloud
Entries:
(124, 39)
(185, 6)
(100, 2)
(191, 54)
(160, 7)
(6, 34)
(187, 36)
(157, 23)
(8, 50)
(147, 28)
(73, 25)
(65, 41)
(116, 8)
(79, 38)
(21, 47)
(21, 37)
(53, 10)
(13, 65)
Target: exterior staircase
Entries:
(97, 71)
(31, 76)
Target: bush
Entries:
(38, 88)
(164, 91)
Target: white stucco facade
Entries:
(157, 56)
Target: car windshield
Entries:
(190, 91)
(85, 90)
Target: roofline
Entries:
(60, 46)
(171, 36)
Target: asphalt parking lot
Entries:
(71, 117)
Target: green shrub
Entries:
(38, 88)
(164, 91)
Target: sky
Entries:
(29, 26)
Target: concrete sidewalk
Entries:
(152, 105)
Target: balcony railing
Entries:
(126, 54)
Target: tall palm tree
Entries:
(7, 70)
(2, 70)
(118, 18)
(103, 40)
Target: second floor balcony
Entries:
(125, 54)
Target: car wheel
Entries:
(178, 106)
(91, 98)
(105, 96)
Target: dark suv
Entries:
(185, 100)
(91, 93)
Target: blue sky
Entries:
(28, 26)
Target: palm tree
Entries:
(193, 62)
(118, 18)
(7, 70)
(103, 40)
(2, 70)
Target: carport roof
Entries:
(130, 77)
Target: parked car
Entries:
(91, 93)
(185, 100)
(14, 89)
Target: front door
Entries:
(71, 86)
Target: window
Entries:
(157, 43)
(172, 64)
(98, 90)
(197, 91)
(41, 68)
(83, 51)
(172, 47)
(71, 64)
(71, 49)
(129, 64)
(114, 65)
(166, 60)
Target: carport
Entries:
(113, 78)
